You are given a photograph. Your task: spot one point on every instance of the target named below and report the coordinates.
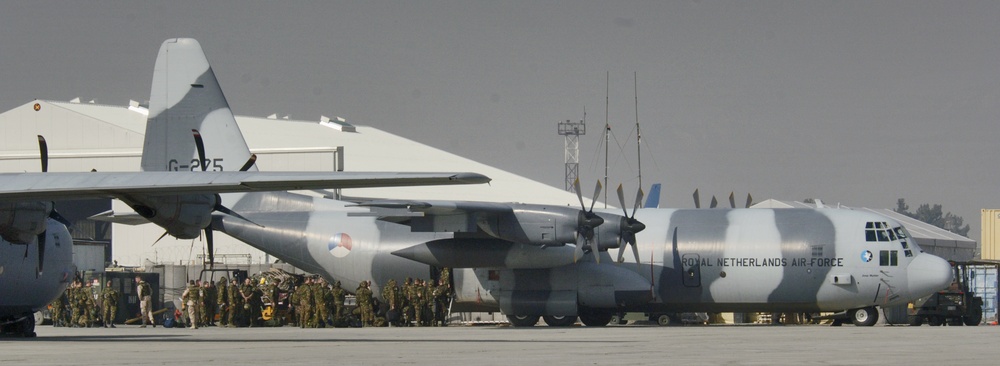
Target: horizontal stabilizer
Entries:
(653, 200)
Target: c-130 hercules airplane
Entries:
(36, 247)
(531, 261)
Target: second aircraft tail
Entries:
(186, 96)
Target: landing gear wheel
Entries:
(864, 317)
(595, 318)
(618, 319)
(935, 321)
(559, 321)
(915, 321)
(665, 320)
(522, 320)
(976, 316)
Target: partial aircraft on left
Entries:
(36, 247)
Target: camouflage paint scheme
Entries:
(519, 258)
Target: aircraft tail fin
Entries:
(186, 96)
(653, 200)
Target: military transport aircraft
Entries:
(30, 279)
(532, 261)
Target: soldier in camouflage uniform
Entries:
(235, 303)
(364, 297)
(390, 293)
(85, 297)
(192, 298)
(339, 295)
(222, 301)
(59, 310)
(304, 297)
(319, 292)
(251, 301)
(442, 296)
(209, 303)
(109, 305)
(74, 305)
(408, 300)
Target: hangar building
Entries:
(87, 136)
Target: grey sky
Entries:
(857, 102)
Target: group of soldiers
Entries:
(314, 303)
(236, 304)
(78, 307)
(416, 303)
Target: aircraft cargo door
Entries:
(691, 265)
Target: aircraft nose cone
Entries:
(928, 274)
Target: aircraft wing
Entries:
(57, 186)
(441, 216)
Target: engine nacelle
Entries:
(534, 224)
(182, 216)
(486, 253)
(21, 222)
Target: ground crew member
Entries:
(319, 291)
(364, 297)
(88, 309)
(222, 301)
(339, 295)
(192, 298)
(304, 297)
(109, 305)
(145, 293)
(409, 300)
(59, 310)
(250, 300)
(235, 303)
(210, 302)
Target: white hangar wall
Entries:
(84, 136)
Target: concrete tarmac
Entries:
(502, 345)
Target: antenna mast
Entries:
(638, 135)
(607, 133)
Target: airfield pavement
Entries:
(502, 345)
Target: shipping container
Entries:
(990, 234)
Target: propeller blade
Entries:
(43, 149)
(749, 200)
(638, 202)
(732, 199)
(597, 253)
(621, 249)
(578, 253)
(41, 254)
(55, 215)
(714, 202)
(250, 162)
(621, 199)
(211, 247)
(229, 212)
(635, 251)
(579, 193)
(697, 201)
(597, 192)
(158, 239)
(200, 145)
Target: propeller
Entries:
(587, 220)
(715, 203)
(697, 200)
(629, 226)
(43, 152)
(749, 200)
(199, 143)
(732, 199)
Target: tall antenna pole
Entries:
(607, 133)
(638, 135)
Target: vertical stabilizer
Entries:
(186, 96)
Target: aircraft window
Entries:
(888, 258)
(870, 235)
(892, 235)
(900, 232)
(893, 257)
(882, 236)
(870, 225)
(908, 253)
(903, 243)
